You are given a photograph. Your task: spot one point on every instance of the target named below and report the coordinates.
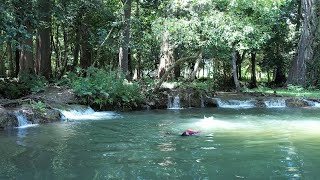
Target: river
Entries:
(250, 143)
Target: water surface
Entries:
(257, 143)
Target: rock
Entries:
(210, 102)
(40, 116)
(7, 119)
(296, 103)
(260, 103)
(57, 96)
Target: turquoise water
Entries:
(257, 143)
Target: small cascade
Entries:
(235, 103)
(174, 102)
(275, 103)
(23, 121)
(312, 103)
(86, 113)
(316, 104)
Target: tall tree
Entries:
(125, 39)
(305, 50)
(253, 83)
(85, 48)
(25, 17)
(166, 55)
(234, 69)
(43, 59)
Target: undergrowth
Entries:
(106, 89)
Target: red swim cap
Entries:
(190, 131)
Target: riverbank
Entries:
(46, 106)
(42, 107)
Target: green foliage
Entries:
(38, 106)
(267, 27)
(13, 89)
(295, 88)
(34, 83)
(106, 88)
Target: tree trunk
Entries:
(37, 62)
(137, 70)
(124, 49)
(26, 55)
(253, 83)
(26, 63)
(2, 66)
(130, 65)
(43, 46)
(56, 47)
(280, 77)
(234, 69)
(65, 53)
(240, 59)
(76, 50)
(166, 74)
(304, 53)
(17, 57)
(166, 56)
(196, 68)
(85, 56)
(10, 59)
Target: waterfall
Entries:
(174, 102)
(316, 104)
(275, 103)
(23, 121)
(86, 113)
(312, 103)
(235, 103)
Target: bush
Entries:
(34, 83)
(105, 88)
(27, 84)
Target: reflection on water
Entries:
(22, 133)
(233, 144)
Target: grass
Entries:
(289, 92)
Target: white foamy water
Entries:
(275, 103)
(27, 126)
(212, 123)
(296, 128)
(88, 113)
(174, 102)
(23, 121)
(313, 103)
(235, 103)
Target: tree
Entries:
(24, 15)
(305, 50)
(125, 39)
(166, 55)
(234, 69)
(43, 60)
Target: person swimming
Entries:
(190, 132)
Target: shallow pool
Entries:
(256, 143)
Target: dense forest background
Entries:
(95, 44)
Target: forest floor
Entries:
(51, 95)
(58, 95)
